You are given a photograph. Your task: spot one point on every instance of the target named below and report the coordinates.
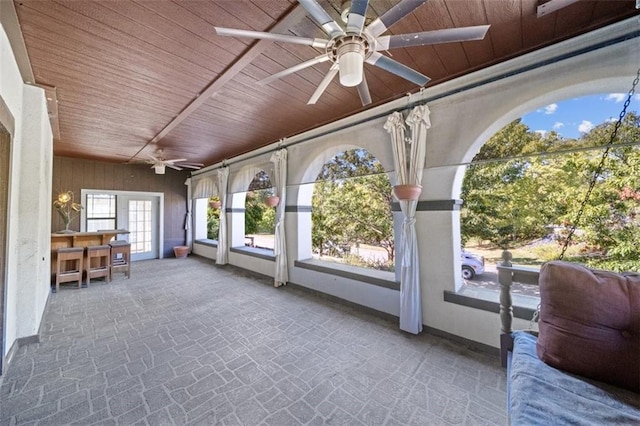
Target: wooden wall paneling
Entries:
(225, 48)
(165, 35)
(478, 52)
(506, 32)
(572, 20)
(106, 42)
(536, 31)
(76, 174)
(274, 9)
(125, 70)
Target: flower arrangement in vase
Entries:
(67, 209)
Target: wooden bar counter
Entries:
(79, 239)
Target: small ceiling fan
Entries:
(159, 163)
(349, 48)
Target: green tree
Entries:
(502, 199)
(256, 216)
(515, 200)
(213, 221)
(611, 223)
(352, 203)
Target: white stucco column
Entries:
(33, 198)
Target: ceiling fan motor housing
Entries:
(349, 53)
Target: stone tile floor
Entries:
(186, 342)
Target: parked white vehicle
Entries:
(472, 265)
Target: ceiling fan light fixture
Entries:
(351, 63)
(159, 168)
(351, 67)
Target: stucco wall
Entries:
(28, 245)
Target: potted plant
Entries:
(215, 203)
(67, 209)
(271, 199)
(407, 192)
(181, 251)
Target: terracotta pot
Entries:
(407, 192)
(272, 200)
(181, 251)
(215, 204)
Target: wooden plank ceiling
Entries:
(123, 70)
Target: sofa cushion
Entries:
(590, 323)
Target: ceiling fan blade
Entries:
(295, 68)
(321, 16)
(307, 41)
(395, 67)
(357, 14)
(392, 16)
(432, 37)
(175, 160)
(191, 166)
(174, 167)
(323, 84)
(191, 163)
(363, 92)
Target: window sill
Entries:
(259, 253)
(488, 300)
(369, 276)
(207, 242)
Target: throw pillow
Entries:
(590, 323)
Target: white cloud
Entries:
(557, 125)
(586, 126)
(616, 97)
(550, 109)
(542, 133)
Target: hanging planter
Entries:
(407, 192)
(215, 204)
(271, 200)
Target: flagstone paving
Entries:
(186, 342)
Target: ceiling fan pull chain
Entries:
(598, 170)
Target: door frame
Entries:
(7, 129)
(158, 195)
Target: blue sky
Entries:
(570, 118)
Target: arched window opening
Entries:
(524, 188)
(351, 218)
(259, 219)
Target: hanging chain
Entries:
(598, 170)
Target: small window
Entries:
(101, 212)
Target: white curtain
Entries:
(204, 187)
(409, 170)
(279, 160)
(187, 221)
(222, 257)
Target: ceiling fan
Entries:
(349, 48)
(159, 163)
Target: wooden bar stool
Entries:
(98, 263)
(120, 257)
(69, 266)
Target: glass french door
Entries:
(140, 218)
(139, 213)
